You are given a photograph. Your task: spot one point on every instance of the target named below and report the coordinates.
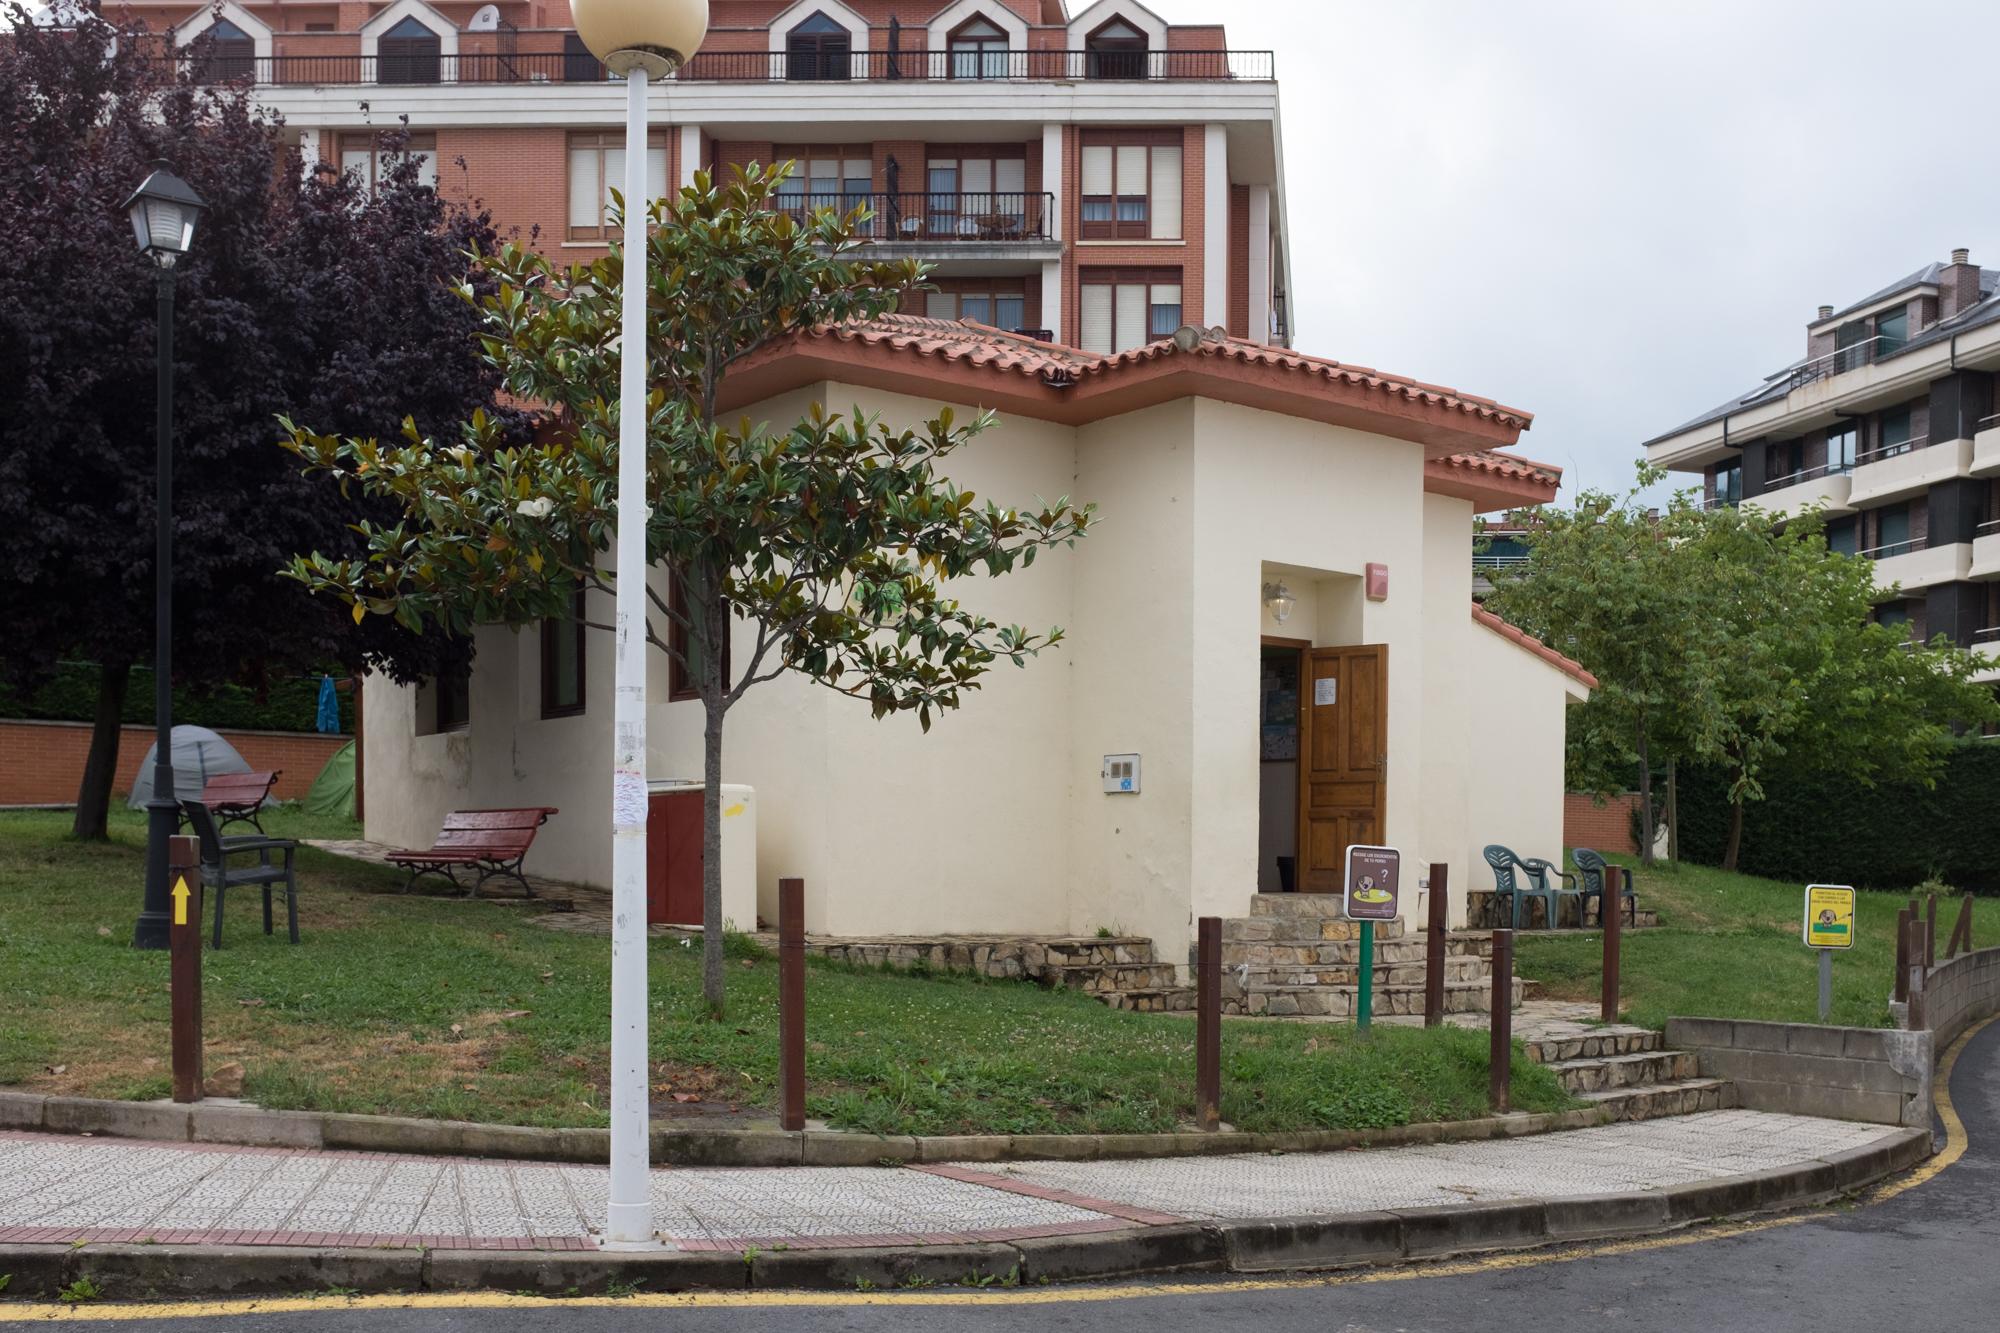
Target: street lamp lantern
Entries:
(163, 211)
(639, 40)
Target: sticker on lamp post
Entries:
(1374, 883)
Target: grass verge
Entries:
(1729, 946)
(445, 1008)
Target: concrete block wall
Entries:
(1960, 992)
(1876, 1075)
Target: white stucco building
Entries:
(1384, 708)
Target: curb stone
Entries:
(252, 1126)
(1259, 1246)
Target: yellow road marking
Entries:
(1954, 1149)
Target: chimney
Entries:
(1826, 312)
(1958, 284)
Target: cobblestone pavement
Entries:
(62, 1189)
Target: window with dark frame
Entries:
(836, 176)
(408, 53)
(977, 191)
(681, 682)
(368, 157)
(1125, 308)
(579, 65)
(1841, 447)
(1892, 433)
(1115, 51)
(227, 53)
(451, 692)
(818, 49)
(999, 302)
(562, 663)
(1729, 483)
(978, 50)
(1132, 185)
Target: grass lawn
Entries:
(1729, 946)
(441, 1007)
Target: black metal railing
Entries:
(1804, 475)
(930, 218)
(736, 67)
(1894, 449)
(1843, 359)
(1886, 550)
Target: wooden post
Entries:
(1930, 931)
(1914, 1017)
(1900, 991)
(1208, 1023)
(184, 965)
(1961, 932)
(1434, 939)
(1500, 1058)
(1611, 915)
(792, 1003)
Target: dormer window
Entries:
(819, 48)
(226, 53)
(979, 51)
(408, 53)
(1115, 51)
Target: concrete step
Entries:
(1312, 952)
(1605, 1073)
(1100, 978)
(1274, 1001)
(1157, 1000)
(1300, 928)
(1348, 973)
(1655, 1100)
(1614, 1039)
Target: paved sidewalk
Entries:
(62, 1189)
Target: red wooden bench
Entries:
(238, 798)
(491, 842)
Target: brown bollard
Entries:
(792, 1003)
(1434, 939)
(1961, 931)
(1500, 1058)
(1208, 1023)
(184, 965)
(1900, 991)
(1930, 930)
(1611, 915)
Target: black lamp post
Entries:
(163, 211)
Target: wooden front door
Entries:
(1343, 759)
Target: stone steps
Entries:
(1653, 1101)
(1309, 953)
(1153, 1000)
(1617, 1039)
(1609, 1073)
(1348, 973)
(1321, 1001)
(1103, 978)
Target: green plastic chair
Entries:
(1592, 865)
(1511, 891)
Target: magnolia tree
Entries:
(833, 541)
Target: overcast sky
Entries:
(1616, 215)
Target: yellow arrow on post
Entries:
(181, 896)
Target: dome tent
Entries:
(198, 754)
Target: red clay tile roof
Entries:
(1521, 638)
(1505, 465)
(1492, 480)
(1011, 372)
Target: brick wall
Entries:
(41, 763)
(1185, 254)
(1603, 828)
(1239, 261)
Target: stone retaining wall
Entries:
(1875, 1075)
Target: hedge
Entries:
(71, 696)
(1822, 828)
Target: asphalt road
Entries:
(1922, 1260)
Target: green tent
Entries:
(333, 790)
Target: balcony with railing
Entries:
(1986, 644)
(933, 222)
(1915, 563)
(1986, 447)
(1828, 486)
(1906, 467)
(333, 61)
(1986, 551)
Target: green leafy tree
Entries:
(836, 540)
(1805, 678)
(1602, 583)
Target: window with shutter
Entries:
(1132, 185)
(596, 170)
(579, 65)
(979, 51)
(1124, 308)
(818, 48)
(408, 53)
(1115, 51)
(369, 157)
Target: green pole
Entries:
(1364, 1005)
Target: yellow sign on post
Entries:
(181, 894)
(1829, 916)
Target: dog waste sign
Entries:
(1829, 916)
(1374, 879)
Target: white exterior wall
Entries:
(1517, 747)
(1452, 768)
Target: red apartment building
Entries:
(1099, 177)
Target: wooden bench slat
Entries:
(497, 841)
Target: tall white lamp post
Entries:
(639, 40)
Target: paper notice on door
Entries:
(1326, 691)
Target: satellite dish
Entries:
(485, 19)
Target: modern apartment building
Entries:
(1888, 423)
(1099, 176)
